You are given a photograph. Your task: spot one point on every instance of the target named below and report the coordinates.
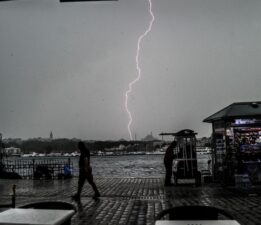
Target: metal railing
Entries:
(40, 168)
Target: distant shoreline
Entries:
(30, 156)
(70, 156)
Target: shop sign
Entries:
(220, 130)
(245, 121)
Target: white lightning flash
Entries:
(137, 67)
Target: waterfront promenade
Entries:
(134, 200)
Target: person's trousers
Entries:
(89, 177)
(168, 176)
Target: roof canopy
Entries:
(182, 133)
(237, 110)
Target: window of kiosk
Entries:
(249, 143)
(248, 140)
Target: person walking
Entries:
(85, 172)
(168, 159)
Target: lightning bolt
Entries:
(128, 92)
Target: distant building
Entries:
(12, 151)
(149, 137)
(122, 140)
(51, 135)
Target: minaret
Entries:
(51, 135)
(1, 153)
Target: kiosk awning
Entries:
(237, 110)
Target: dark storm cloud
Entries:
(65, 67)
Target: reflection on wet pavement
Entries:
(133, 200)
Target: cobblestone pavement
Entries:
(134, 200)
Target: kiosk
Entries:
(236, 141)
(185, 162)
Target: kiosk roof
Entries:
(237, 110)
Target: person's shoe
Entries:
(76, 197)
(96, 196)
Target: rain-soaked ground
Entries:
(135, 200)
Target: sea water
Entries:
(135, 165)
(121, 165)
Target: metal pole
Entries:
(13, 196)
(1, 154)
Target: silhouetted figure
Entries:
(85, 172)
(168, 159)
(209, 165)
(42, 171)
(67, 171)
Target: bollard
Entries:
(13, 196)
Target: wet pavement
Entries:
(135, 200)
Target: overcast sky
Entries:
(66, 67)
